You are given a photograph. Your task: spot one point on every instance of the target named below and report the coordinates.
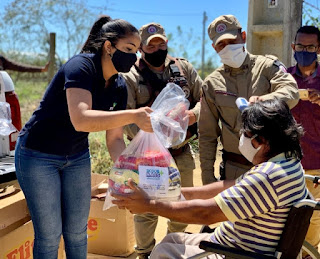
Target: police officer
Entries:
(242, 74)
(145, 80)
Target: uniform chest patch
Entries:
(186, 91)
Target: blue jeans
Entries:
(58, 191)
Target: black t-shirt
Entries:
(50, 129)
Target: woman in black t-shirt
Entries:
(52, 155)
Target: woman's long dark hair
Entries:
(107, 29)
(272, 120)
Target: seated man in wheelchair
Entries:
(253, 208)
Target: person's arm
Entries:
(209, 131)
(199, 211)
(83, 118)
(14, 66)
(283, 86)
(195, 84)
(314, 96)
(206, 191)
(115, 142)
(132, 82)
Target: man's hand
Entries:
(254, 99)
(136, 202)
(191, 116)
(314, 96)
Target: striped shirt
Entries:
(257, 206)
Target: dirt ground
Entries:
(162, 223)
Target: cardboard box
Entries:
(18, 244)
(13, 208)
(110, 232)
(95, 256)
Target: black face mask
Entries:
(123, 61)
(157, 58)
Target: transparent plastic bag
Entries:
(150, 165)
(167, 117)
(146, 159)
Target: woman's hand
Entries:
(136, 202)
(143, 119)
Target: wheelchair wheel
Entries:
(306, 247)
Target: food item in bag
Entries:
(155, 172)
(118, 179)
(178, 112)
(154, 158)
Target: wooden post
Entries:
(52, 53)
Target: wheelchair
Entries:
(291, 242)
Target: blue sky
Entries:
(172, 13)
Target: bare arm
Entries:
(206, 191)
(85, 119)
(198, 211)
(115, 143)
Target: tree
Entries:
(310, 14)
(28, 23)
(186, 45)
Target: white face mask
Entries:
(233, 55)
(246, 148)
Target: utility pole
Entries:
(205, 17)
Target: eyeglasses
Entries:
(308, 48)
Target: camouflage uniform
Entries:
(219, 117)
(139, 95)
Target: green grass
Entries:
(30, 94)
(101, 162)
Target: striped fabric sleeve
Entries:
(253, 195)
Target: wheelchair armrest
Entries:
(231, 252)
(312, 178)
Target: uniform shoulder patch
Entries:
(277, 63)
(281, 66)
(184, 59)
(273, 57)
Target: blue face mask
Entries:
(305, 58)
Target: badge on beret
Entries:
(221, 27)
(152, 29)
